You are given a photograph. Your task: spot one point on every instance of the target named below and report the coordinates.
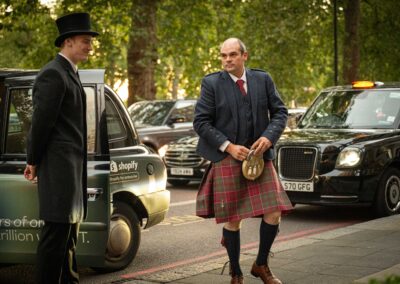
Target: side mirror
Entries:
(298, 117)
(175, 119)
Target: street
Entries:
(184, 239)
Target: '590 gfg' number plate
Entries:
(298, 186)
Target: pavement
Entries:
(367, 252)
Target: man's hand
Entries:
(261, 145)
(30, 173)
(238, 152)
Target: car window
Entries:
(19, 120)
(90, 118)
(20, 114)
(371, 109)
(117, 132)
(150, 113)
(184, 110)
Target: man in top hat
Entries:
(56, 150)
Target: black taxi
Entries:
(346, 149)
(126, 180)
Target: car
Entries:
(126, 181)
(159, 122)
(182, 161)
(346, 149)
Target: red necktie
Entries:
(240, 83)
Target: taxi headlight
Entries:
(349, 157)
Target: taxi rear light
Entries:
(363, 84)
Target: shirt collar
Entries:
(234, 78)
(74, 67)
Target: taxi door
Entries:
(19, 219)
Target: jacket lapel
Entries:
(67, 66)
(229, 93)
(252, 90)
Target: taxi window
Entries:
(117, 133)
(19, 119)
(90, 118)
(361, 109)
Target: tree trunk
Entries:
(142, 51)
(351, 51)
(175, 81)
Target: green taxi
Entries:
(126, 180)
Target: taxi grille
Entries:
(297, 162)
(183, 158)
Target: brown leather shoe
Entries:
(237, 279)
(265, 274)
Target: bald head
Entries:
(235, 41)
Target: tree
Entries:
(351, 50)
(142, 51)
(171, 44)
(26, 29)
(112, 20)
(380, 37)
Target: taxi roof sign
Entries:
(365, 84)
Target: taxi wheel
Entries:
(124, 237)
(387, 201)
(177, 182)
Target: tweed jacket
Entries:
(216, 112)
(57, 143)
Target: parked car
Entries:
(162, 121)
(346, 149)
(182, 162)
(126, 181)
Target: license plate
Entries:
(298, 186)
(182, 171)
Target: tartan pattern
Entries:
(228, 196)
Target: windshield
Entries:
(150, 113)
(366, 109)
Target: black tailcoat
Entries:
(57, 143)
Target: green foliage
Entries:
(26, 29)
(380, 37)
(392, 279)
(292, 40)
(112, 20)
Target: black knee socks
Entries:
(267, 236)
(232, 244)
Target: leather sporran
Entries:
(253, 166)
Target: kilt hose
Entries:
(228, 196)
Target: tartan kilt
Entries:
(225, 194)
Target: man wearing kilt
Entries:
(240, 110)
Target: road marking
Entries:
(181, 203)
(244, 248)
(181, 220)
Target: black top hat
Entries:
(73, 24)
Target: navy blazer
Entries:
(216, 114)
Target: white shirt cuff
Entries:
(224, 145)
